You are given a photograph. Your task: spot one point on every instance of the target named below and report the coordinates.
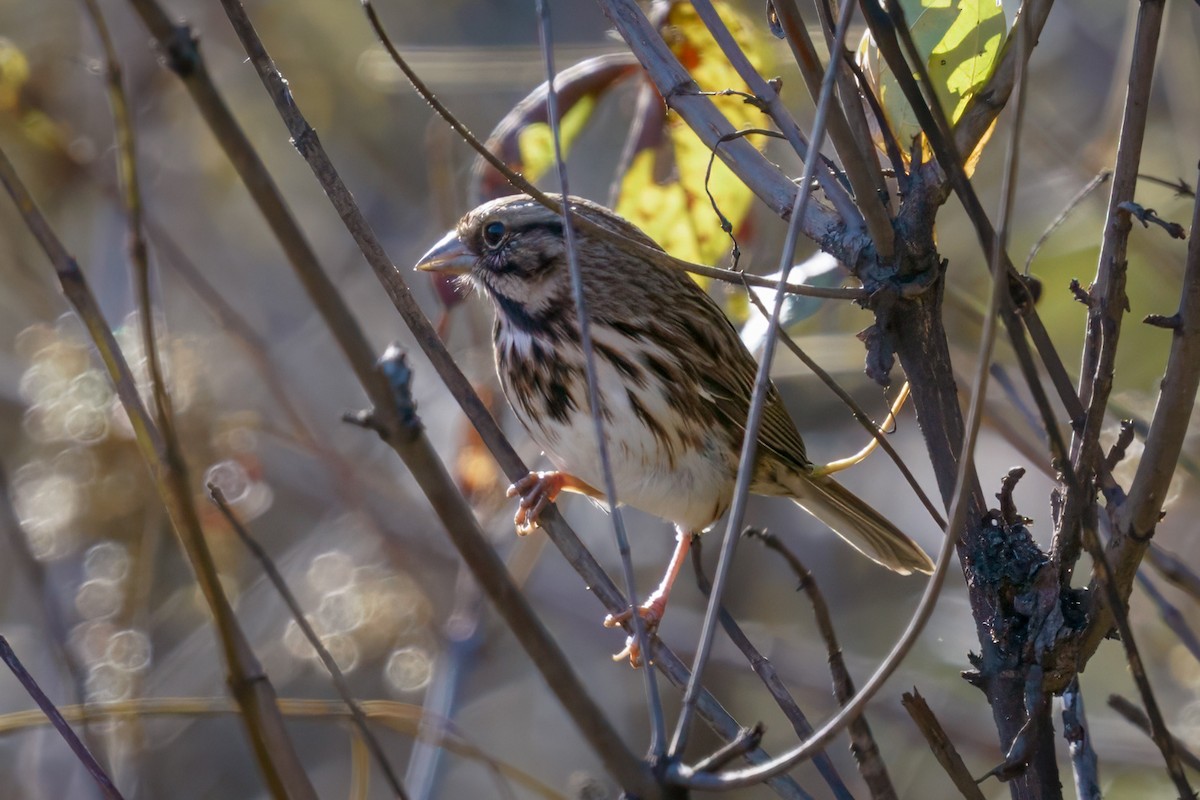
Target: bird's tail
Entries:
(863, 527)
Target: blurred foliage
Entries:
(360, 550)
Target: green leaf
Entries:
(959, 40)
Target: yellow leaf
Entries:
(535, 142)
(659, 209)
(14, 72)
(675, 208)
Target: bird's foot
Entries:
(536, 490)
(651, 613)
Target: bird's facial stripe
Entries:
(531, 257)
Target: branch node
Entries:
(1008, 507)
(1117, 452)
(1148, 215)
(1080, 294)
(1173, 322)
(393, 366)
(747, 739)
(181, 53)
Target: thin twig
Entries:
(860, 416)
(640, 637)
(862, 741)
(864, 180)
(1174, 570)
(276, 757)
(852, 105)
(880, 229)
(748, 739)
(1172, 617)
(80, 750)
(131, 197)
(335, 673)
(767, 673)
(1079, 741)
(400, 717)
(1148, 217)
(749, 777)
(762, 382)
(1135, 715)
(1108, 297)
(940, 744)
(1179, 185)
(1091, 186)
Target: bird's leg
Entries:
(538, 490)
(655, 606)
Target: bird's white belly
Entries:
(687, 485)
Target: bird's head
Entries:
(512, 249)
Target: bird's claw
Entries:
(536, 490)
(651, 613)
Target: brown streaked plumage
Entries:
(674, 381)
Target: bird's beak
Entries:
(449, 256)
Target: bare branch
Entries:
(276, 756)
(107, 788)
(1079, 741)
(862, 169)
(1091, 186)
(335, 672)
(1136, 518)
(1109, 300)
(862, 742)
(941, 744)
(640, 633)
(1130, 711)
(766, 672)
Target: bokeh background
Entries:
(98, 602)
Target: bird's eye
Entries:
(493, 234)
